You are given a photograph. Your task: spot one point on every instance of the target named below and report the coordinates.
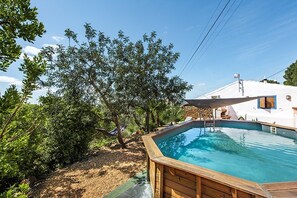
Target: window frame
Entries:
(275, 102)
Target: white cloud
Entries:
(58, 38)
(30, 50)
(10, 80)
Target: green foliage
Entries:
(17, 21)
(101, 141)
(120, 75)
(21, 148)
(20, 132)
(172, 113)
(291, 75)
(270, 81)
(70, 125)
(32, 70)
(20, 191)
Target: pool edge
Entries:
(236, 186)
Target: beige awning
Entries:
(216, 103)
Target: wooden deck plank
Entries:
(241, 194)
(160, 179)
(198, 187)
(180, 180)
(175, 193)
(280, 186)
(286, 194)
(187, 191)
(217, 186)
(214, 193)
(206, 196)
(180, 173)
(221, 178)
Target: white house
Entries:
(279, 105)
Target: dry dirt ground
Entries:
(102, 172)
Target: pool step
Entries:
(209, 123)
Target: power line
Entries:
(205, 37)
(220, 29)
(276, 73)
(207, 24)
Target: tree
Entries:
(32, 70)
(19, 122)
(270, 81)
(147, 79)
(19, 127)
(94, 68)
(291, 75)
(17, 21)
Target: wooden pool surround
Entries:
(172, 178)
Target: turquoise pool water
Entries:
(249, 154)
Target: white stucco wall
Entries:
(282, 115)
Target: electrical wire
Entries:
(211, 42)
(206, 25)
(205, 37)
(276, 73)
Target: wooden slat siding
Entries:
(214, 193)
(159, 179)
(241, 194)
(157, 184)
(180, 180)
(167, 195)
(147, 167)
(217, 186)
(153, 175)
(206, 196)
(234, 193)
(180, 173)
(221, 178)
(175, 193)
(157, 193)
(258, 196)
(198, 187)
(187, 191)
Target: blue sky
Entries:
(255, 38)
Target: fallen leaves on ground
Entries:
(102, 172)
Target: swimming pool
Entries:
(238, 159)
(248, 154)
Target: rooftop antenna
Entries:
(240, 84)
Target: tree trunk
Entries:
(147, 121)
(138, 122)
(158, 119)
(119, 135)
(153, 117)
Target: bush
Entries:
(20, 191)
(69, 129)
(21, 148)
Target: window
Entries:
(268, 102)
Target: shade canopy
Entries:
(220, 102)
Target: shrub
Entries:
(69, 129)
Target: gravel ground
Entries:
(102, 172)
